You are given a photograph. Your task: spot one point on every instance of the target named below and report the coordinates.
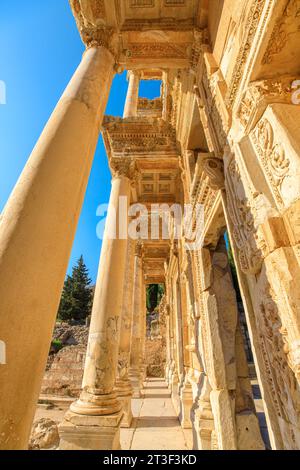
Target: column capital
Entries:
(101, 37)
(122, 167)
(139, 248)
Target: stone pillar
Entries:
(265, 256)
(173, 376)
(202, 417)
(186, 402)
(93, 421)
(131, 104)
(135, 360)
(168, 345)
(37, 229)
(123, 384)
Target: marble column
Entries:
(135, 358)
(131, 104)
(93, 421)
(123, 384)
(37, 229)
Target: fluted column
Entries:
(93, 421)
(131, 104)
(37, 229)
(135, 357)
(123, 384)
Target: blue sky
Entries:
(40, 49)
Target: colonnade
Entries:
(236, 152)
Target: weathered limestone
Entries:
(143, 366)
(136, 332)
(93, 421)
(123, 384)
(36, 234)
(224, 134)
(186, 401)
(233, 112)
(131, 104)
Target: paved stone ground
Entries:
(155, 425)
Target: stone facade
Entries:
(224, 135)
(64, 376)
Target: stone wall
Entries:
(155, 356)
(64, 376)
(64, 371)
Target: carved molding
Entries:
(287, 25)
(259, 94)
(242, 204)
(91, 22)
(157, 50)
(201, 36)
(250, 28)
(213, 168)
(133, 136)
(272, 156)
(122, 167)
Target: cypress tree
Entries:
(76, 299)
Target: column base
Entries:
(79, 432)
(124, 393)
(127, 412)
(186, 399)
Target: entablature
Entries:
(139, 137)
(144, 32)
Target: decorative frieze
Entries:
(147, 107)
(251, 27)
(141, 3)
(261, 93)
(287, 25)
(273, 157)
(135, 136)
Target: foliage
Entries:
(77, 295)
(56, 345)
(154, 295)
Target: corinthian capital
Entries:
(122, 167)
(103, 36)
(92, 22)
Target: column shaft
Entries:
(131, 104)
(123, 384)
(36, 234)
(93, 421)
(135, 358)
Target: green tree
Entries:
(233, 269)
(154, 294)
(77, 294)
